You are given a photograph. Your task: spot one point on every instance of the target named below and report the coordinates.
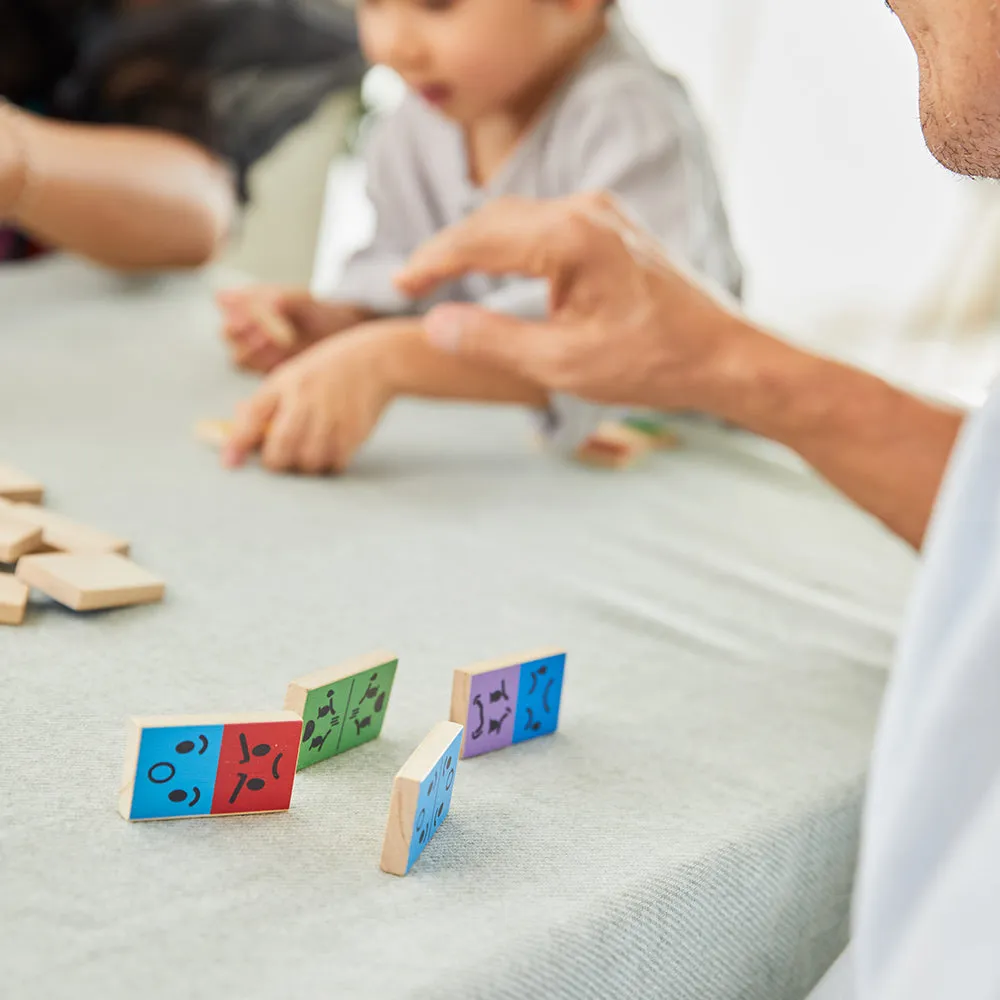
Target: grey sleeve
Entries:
(642, 142)
(568, 421)
(401, 221)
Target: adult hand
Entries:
(625, 325)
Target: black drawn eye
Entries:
(308, 731)
(177, 795)
(261, 750)
(256, 784)
(185, 746)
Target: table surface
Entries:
(689, 833)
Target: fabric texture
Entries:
(620, 124)
(690, 832)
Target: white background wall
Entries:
(843, 217)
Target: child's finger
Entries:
(252, 420)
(284, 439)
(316, 450)
(237, 333)
(258, 354)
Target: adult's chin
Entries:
(966, 143)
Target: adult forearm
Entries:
(416, 368)
(127, 198)
(884, 448)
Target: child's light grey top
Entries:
(619, 124)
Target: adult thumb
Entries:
(481, 335)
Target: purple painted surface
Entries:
(492, 710)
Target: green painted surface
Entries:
(341, 716)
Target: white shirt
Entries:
(927, 908)
(619, 124)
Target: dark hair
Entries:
(233, 75)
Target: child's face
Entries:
(473, 57)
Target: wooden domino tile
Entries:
(185, 766)
(13, 600)
(215, 433)
(661, 436)
(17, 538)
(343, 706)
(278, 330)
(421, 798)
(508, 700)
(615, 446)
(19, 486)
(92, 581)
(64, 535)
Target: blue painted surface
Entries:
(175, 775)
(539, 697)
(435, 800)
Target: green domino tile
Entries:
(323, 721)
(646, 425)
(369, 701)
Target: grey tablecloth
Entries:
(689, 833)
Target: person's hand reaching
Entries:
(625, 325)
(266, 325)
(315, 412)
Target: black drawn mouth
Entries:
(196, 798)
(545, 696)
(204, 744)
(274, 767)
(156, 769)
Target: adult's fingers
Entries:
(527, 349)
(252, 421)
(539, 239)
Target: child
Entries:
(538, 98)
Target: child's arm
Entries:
(316, 412)
(268, 326)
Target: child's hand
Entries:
(316, 411)
(269, 324)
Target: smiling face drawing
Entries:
(175, 775)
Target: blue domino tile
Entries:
(434, 802)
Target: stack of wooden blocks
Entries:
(74, 564)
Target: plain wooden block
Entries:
(13, 600)
(277, 329)
(17, 538)
(508, 700)
(64, 535)
(91, 581)
(215, 433)
(421, 798)
(342, 707)
(185, 766)
(19, 486)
